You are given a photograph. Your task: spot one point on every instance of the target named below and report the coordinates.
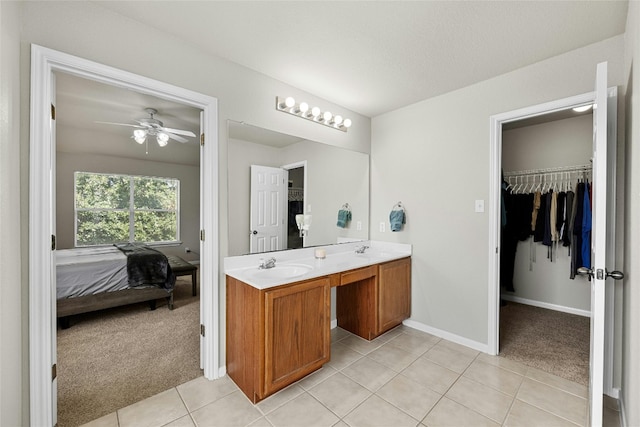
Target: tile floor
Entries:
(403, 378)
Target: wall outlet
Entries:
(382, 227)
(187, 250)
(479, 205)
(359, 225)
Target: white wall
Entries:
(13, 290)
(434, 157)
(189, 176)
(631, 285)
(559, 143)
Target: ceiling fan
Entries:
(154, 127)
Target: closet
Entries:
(547, 154)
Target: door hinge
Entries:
(54, 372)
(202, 329)
(53, 112)
(202, 235)
(202, 139)
(53, 242)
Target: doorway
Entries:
(94, 126)
(42, 339)
(601, 312)
(545, 305)
(296, 188)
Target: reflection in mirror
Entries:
(317, 179)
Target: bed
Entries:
(91, 279)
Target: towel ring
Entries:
(398, 207)
(346, 206)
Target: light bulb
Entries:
(140, 140)
(289, 102)
(304, 107)
(347, 123)
(162, 138)
(315, 112)
(582, 108)
(327, 116)
(337, 120)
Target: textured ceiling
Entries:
(374, 57)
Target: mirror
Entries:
(334, 177)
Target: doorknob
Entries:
(584, 271)
(254, 232)
(615, 275)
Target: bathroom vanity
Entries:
(279, 319)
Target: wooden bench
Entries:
(181, 267)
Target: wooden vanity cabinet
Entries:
(374, 299)
(394, 294)
(276, 336)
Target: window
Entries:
(113, 208)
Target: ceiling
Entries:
(376, 56)
(370, 57)
(81, 103)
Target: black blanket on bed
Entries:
(147, 267)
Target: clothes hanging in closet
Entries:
(552, 217)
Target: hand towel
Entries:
(396, 219)
(344, 216)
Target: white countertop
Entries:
(341, 257)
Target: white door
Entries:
(268, 208)
(599, 236)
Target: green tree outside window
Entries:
(113, 208)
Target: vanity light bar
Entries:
(289, 105)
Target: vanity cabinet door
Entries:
(394, 294)
(297, 331)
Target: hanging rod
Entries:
(550, 170)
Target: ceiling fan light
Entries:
(162, 138)
(139, 133)
(140, 140)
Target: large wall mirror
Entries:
(319, 180)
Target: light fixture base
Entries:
(285, 105)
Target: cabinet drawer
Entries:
(358, 275)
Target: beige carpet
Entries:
(110, 359)
(552, 341)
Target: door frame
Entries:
(495, 168)
(42, 304)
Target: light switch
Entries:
(382, 226)
(479, 205)
(359, 225)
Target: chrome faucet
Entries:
(361, 249)
(269, 263)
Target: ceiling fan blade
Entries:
(120, 124)
(180, 132)
(177, 138)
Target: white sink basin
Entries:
(282, 271)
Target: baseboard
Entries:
(570, 310)
(614, 392)
(447, 336)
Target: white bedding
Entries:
(87, 271)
